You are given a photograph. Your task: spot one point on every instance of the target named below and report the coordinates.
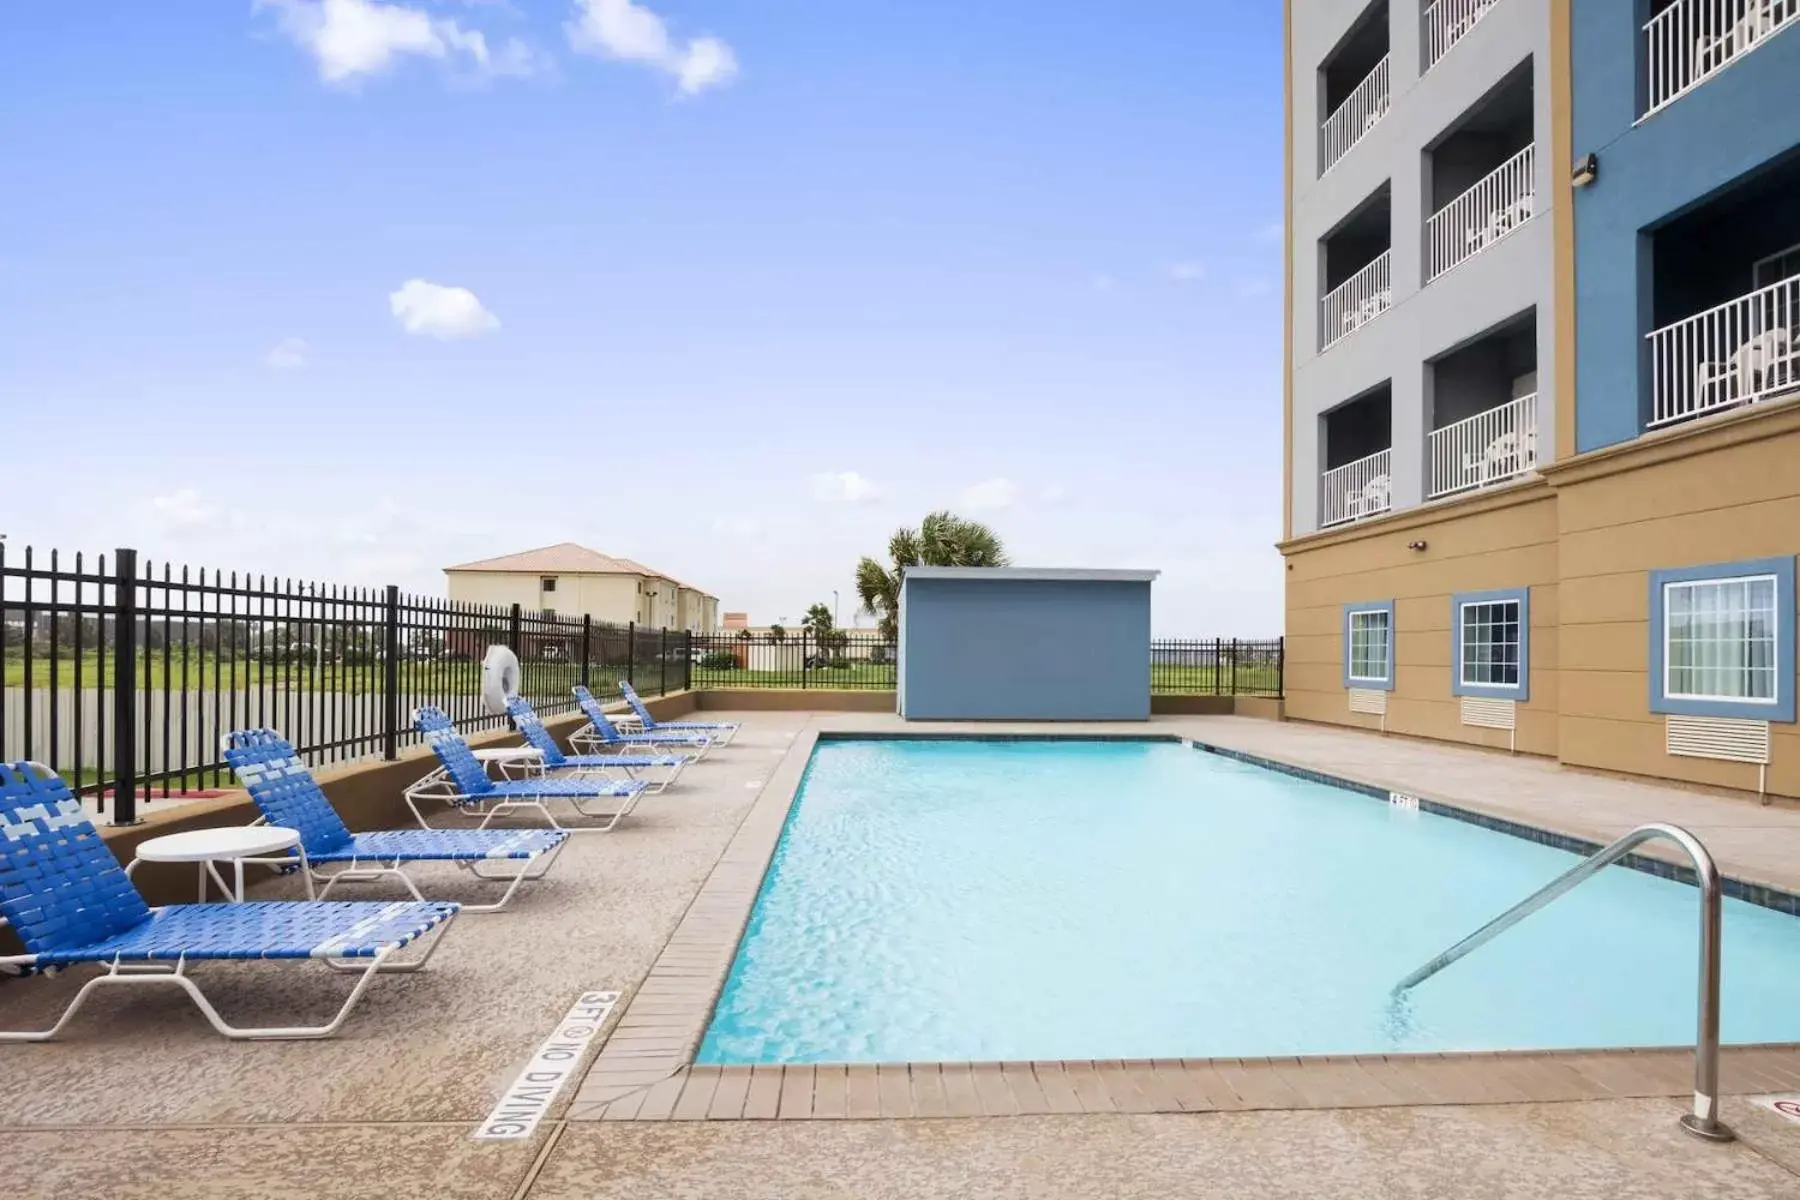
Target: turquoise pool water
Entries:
(979, 900)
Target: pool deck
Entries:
(140, 1098)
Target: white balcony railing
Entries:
(1488, 447)
(1356, 490)
(1744, 350)
(1446, 23)
(1690, 41)
(1355, 302)
(1499, 203)
(1366, 104)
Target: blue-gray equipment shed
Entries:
(1025, 644)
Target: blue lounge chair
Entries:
(600, 731)
(288, 796)
(64, 894)
(462, 781)
(721, 732)
(531, 727)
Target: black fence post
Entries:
(1218, 671)
(390, 675)
(587, 644)
(1281, 667)
(513, 623)
(662, 660)
(125, 689)
(1234, 658)
(803, 632)
(687, 660)
(631, 654)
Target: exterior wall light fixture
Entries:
(1587, 169)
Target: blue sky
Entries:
(356, 290)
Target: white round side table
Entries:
(236, 844)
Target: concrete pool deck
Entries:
(140, 1098)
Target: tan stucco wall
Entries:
(1505, 539)
(1723, 493)
(610, 598)
(1585, 539)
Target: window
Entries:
(1719, 639)
(547, 583)
(1722, 640)
(1490, 636)
(1369, 645)
(1775, 268)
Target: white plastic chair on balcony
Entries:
(1355, 317)
(1370, 499)
(1507, 455)
(1500, 222)
(1759, 362)
(1758, 22)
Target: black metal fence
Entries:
(865, 660)
(1216, 666)
(125, 676)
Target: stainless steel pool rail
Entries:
(1704, 1121)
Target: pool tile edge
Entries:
(1763, 895)
(645, 1051)
(920, 1091)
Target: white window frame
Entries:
(1386, 655)
(1462, 633)
(1668, 665)
(1757, 282)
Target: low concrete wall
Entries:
(1191, 706)
(366, 795)
(791, 700)
(1264, 707)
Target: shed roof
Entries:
(1066, 574)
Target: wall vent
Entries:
(1486, 712)
(1719, 737)
(1372, 701)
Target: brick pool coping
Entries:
(645, 1071)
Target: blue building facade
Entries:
(1694, 199)
(989, 644)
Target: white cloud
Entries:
(181, 509)
(433, 310)
(631, 32)
(350, 38)
(990, 494)
(289, 354)
(844, 487)
(1185, 272)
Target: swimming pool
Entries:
(975, 899)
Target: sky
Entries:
(354, 290)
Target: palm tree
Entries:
(942, 539)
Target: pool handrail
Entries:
(1704, 1121)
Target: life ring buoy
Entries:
(499, 678)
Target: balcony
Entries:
(1356, 438)
(1740, 352)
(1487, 448)
(1447, 22)
(1356, 490)
(1497, 204)
(1723, 326)
(1356, 301)
(1361, 110)
(1690, 41)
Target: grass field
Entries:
(207, 673)
(1168, 679)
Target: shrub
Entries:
(718, 660)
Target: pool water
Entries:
(989, 899)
